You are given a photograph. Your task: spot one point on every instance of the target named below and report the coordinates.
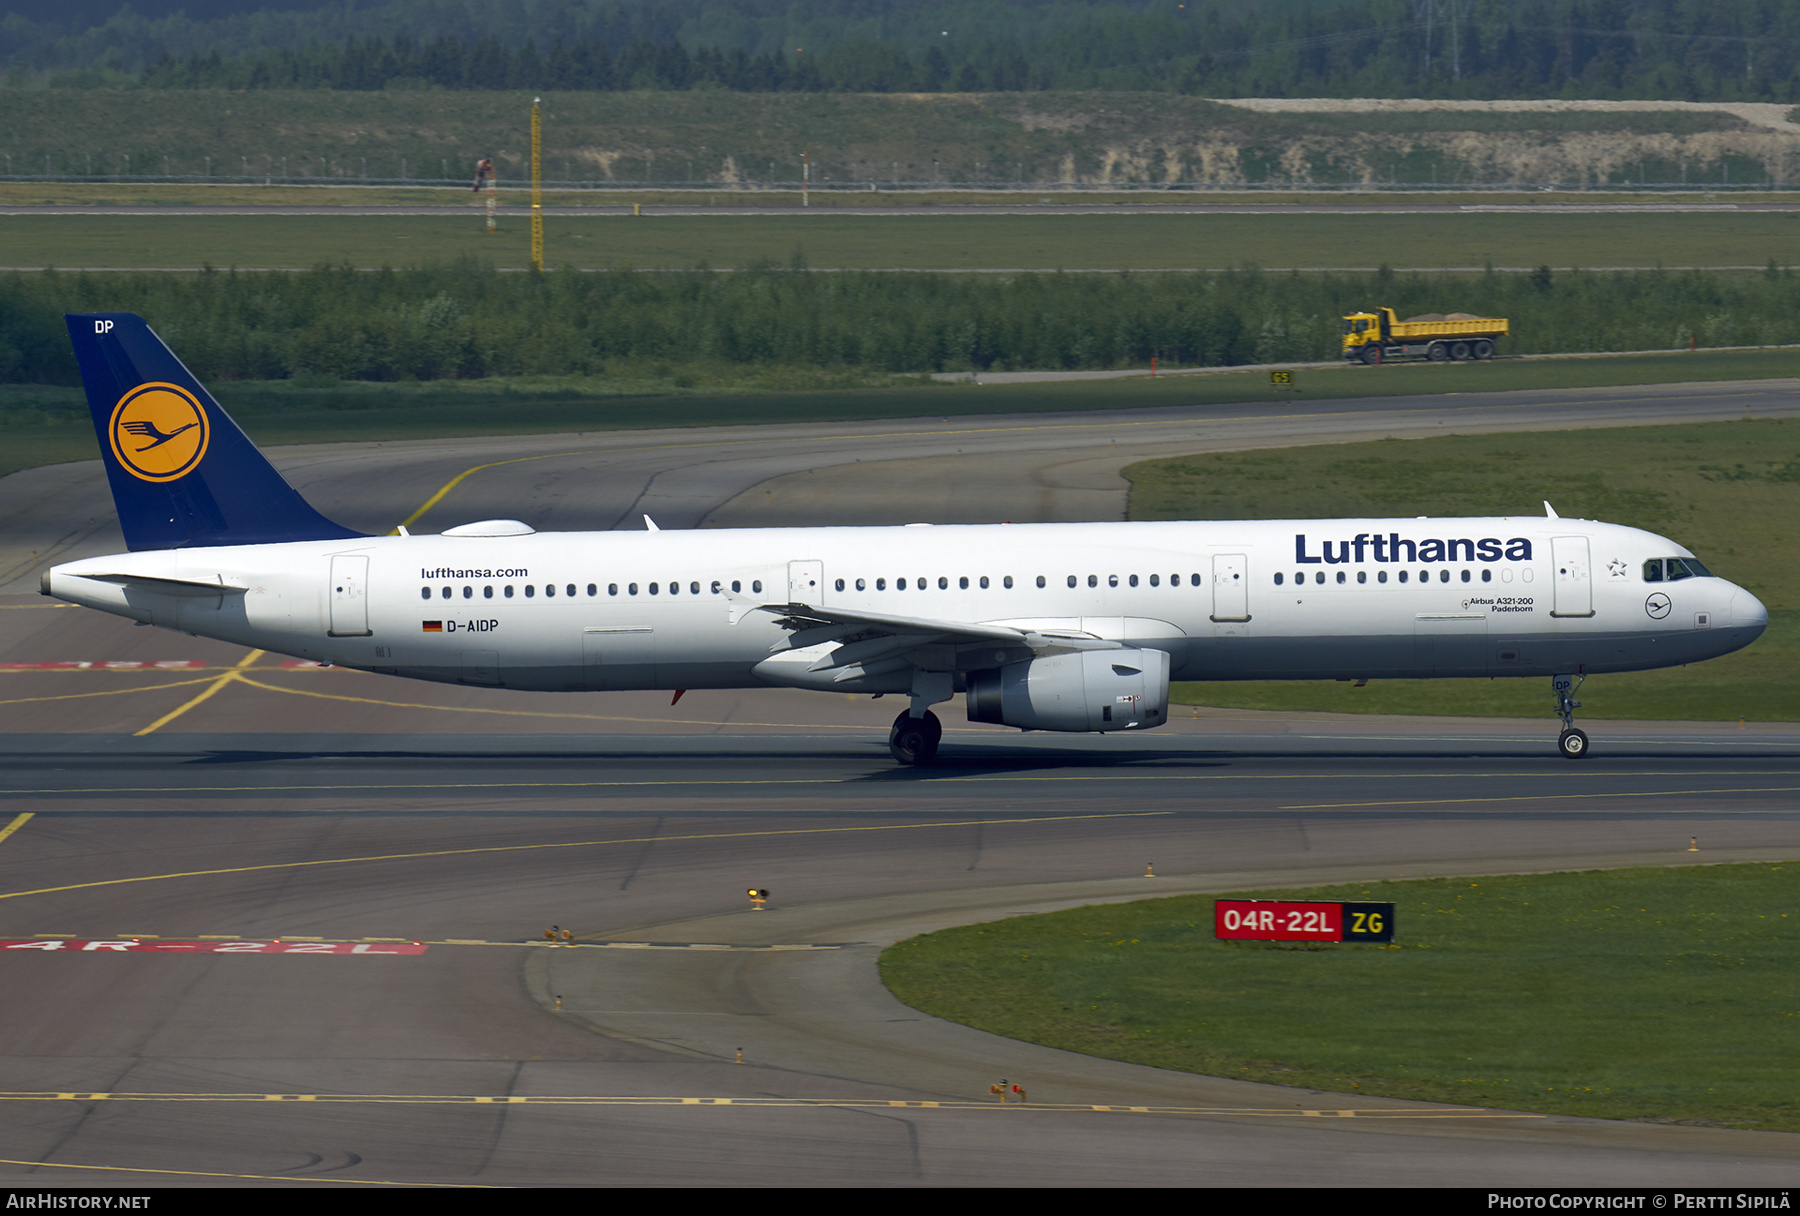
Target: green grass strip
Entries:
(840, 239)
(1666, 995)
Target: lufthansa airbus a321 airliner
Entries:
(1063, 627)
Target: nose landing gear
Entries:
(1572, 743)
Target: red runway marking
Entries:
(128, 946)
(138, 665)
(109, 664)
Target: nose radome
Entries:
(1748, 612)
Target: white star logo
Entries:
(1616, 567)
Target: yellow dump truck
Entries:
(1375, 337)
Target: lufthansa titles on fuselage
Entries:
(448, 572)
(1393, 547)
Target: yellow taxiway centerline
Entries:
(218, 682)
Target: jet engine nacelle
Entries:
(1088, 690)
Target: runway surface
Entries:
(185, 821)
(838, 207)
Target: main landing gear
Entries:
(915, 740)
(1572, 743)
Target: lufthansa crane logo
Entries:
(159, 432)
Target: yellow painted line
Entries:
(1465, 1112)
(333, 1178)
(105, 692)
(218, 682)
(18, 822)
(575, 844)
(458, 479)
(1328, 806)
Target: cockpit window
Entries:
(1673, 569)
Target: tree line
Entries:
(1719, 50)
(463, 321)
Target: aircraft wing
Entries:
(861, 643)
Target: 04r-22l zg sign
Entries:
(1278, 920)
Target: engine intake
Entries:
(1089, 690)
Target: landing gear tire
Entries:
(1572, 743)
(915, 740)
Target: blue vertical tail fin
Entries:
(182, 473)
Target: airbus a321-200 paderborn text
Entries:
(1058, 627)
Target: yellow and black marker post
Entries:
(537, 186)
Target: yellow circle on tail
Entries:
(159, 432)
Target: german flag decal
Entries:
(434, 626)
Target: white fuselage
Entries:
(1302, 599)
